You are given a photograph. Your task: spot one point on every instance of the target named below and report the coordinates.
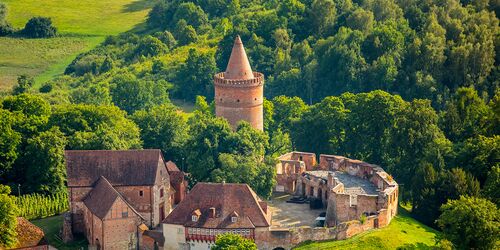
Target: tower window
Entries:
(238, 100)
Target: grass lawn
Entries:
(403, 231)
(51, 227)
(81, 25)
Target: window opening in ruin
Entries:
(141, 193)
(161, 192)
(300, 158)
(238, 100)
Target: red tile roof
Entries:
(102, 197)
(120, 167)
(227, 199)
(28, 234)
(238, 66)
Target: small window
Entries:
(238, 100)
(161, 192)
(125, 214)
(233, 219)
(194, 218)
(141, 193)
(255, 99)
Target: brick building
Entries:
(140, 186)
(239, 92)
(211, 209)
(347, 188)
(110, 222)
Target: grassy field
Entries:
(403, 231)
(51, 227)
(81, 25)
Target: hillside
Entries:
(403, 231)
(81, 26)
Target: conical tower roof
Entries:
(238, 66)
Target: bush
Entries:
(46, 88)
(39, 27)
(6, 29)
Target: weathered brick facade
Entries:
(142, 182)
(239, 92)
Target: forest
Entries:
(406, 84)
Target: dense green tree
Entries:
(233, 242)
(151, 46)
(131, 94)
(286, 110)
(465, 116)
(195, 76)
(167, 38)
(321, 127)
(95, 127)
(30, 113)
(322, 15)
(9, 142)
(191, 13)
(470, 223)
(491, 188)
(44, 156)
(39, 27)
(360, 19)
(417, 127)
(163, 127)
(478, 155)
(8, 221)
(185, 33)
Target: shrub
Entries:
(39, 27)
(46, 88)
(362, 219)
(24, 82)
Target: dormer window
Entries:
(195, 215)
(234, 216)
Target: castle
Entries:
(239, 92)
(134, 199)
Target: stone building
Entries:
(211, 209)
(140, 186)
(239, 91)
(349, 189)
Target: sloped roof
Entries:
(28, 234)
(238, 66)
(102, 197)
(172, 167)
(121, 167)
(226, 199)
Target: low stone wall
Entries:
(287, 238)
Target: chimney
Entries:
(212, 212)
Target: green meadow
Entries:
(81, 26)
(403, 232)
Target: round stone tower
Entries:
(239, 92)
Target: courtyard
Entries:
(286, 215)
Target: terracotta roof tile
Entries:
(102, 197)
(121, 167)
(28, 234)
(238, 66)
(226, 199)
